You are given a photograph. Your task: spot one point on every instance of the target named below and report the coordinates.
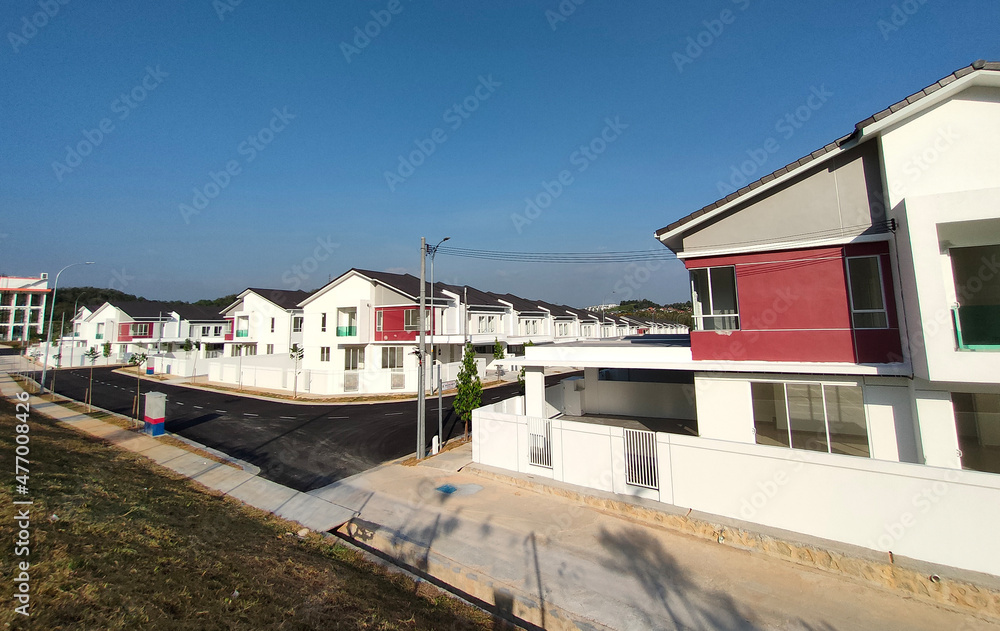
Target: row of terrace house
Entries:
(156, 329)
(359, 333)
(843, 377)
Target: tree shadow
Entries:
(636, 553)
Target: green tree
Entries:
(497, 354)
(187, 345)
(470, 388)
(106, 351)
(137, 360)
(296, 353)
(92, 355)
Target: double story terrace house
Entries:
(362, 330)
(264, 321)
(149, 327)
(22, 305)
(843, 376)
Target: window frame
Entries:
(850, 293)
(415, 326)
(324, 353)
(390, 355)
(379, 320)
(297, 324)
(699, 319)
(322, 323)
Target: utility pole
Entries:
(434, 251)
(421, 350)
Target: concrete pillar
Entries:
(591, 393)
(534, 391)
(936, 424)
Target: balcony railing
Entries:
(99, 336)
(346, 331)
(977, 327)
(243, 333)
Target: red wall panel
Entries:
(794, 306)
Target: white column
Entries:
(936, 424)
(534, 391)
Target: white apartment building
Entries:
(22, 306)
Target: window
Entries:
(713, 293)
(270, 349)
(354, 358)
(411, 319)
(324, 354)
(297, 324)
(322, 323)
(867, 299)
(378, 320)
(272, 325)
(487, 324)
(817, 417)
(140, 330)
(392, 357)
(529, 327)
(977, 417)
(217, 331)
(588, 330)
(562, 329)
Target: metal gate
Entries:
(640, 459)
(540, 442)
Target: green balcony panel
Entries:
(243, 333)
(345, 331)
(978, 327)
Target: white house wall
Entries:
(925, 513)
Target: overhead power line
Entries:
(561, 257)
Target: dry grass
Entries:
(120, 543)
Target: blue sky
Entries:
(309, 117)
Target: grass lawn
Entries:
(118, 542)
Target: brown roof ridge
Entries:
(895, 107)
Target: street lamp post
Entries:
(433, 251)
(48, 337)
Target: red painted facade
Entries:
(229, 329)
(794, 306)
(393, 329)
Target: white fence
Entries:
(921, 512)
(540, 442)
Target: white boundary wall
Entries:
(927, 513)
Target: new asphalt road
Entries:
(303, 447)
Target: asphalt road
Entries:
(303, 447)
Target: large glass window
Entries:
(392, 357)
(354, 358)
(411, 319)
(977, 417)
(817, 417)
(867, 298)
(713, 294)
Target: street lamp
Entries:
(52, 311)
(433, 251)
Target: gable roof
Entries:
(473, 297)
(284, 298)
(858, 131)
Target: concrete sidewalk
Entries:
(548, 560)
(558, 564)
(312, 512)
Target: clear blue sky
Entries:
(321, 179)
